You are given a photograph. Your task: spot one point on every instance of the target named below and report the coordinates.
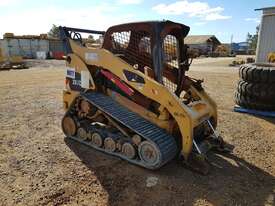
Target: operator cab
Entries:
(155, 48)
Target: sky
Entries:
(222, 18)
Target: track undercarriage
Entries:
(98, 121)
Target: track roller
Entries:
(110, 144)
(97, 139)
(89, 136)
(81, 133)
(129, 150)
(136, 139)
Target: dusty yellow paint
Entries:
(68, 98)
(271, 57)
(186, 117)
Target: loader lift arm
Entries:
(67, 33)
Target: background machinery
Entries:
(131, 98)
(11, 62)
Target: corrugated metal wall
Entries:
(1, 46)
(266, 39)
(26, 48)
(56, 46)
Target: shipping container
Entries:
(56, 49)
(56, 46)
(27, 48)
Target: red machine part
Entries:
(118, 82)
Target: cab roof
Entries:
(157, 25)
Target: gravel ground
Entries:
(39, 167)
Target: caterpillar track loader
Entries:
(130, 98)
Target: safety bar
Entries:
(67, 33)
(68, 29)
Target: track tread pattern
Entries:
(164, 141)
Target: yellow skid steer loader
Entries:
(130, 98)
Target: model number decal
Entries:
(77, 82)
(70, 73)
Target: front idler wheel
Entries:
(149, 154)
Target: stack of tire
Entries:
(256, 88)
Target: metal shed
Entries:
(266, 38)
(204, 43)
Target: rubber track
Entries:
(136, 123)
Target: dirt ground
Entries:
(39, 167)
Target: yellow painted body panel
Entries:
(187, 117)
(68, 94)
(68, 98)
(271, 57)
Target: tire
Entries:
(258, 91)
(253, 103)
(258, 73)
